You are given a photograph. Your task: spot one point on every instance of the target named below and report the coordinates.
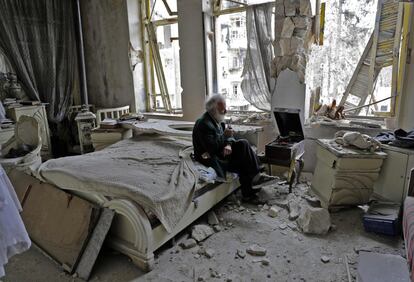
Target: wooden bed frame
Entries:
(137, 235)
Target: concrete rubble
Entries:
(217, 228)
(283, 226)
(273, 212)
(241, 253)
(294, 208)
(325, 259)
(212, 218)
(256, 250)
(209, 253)
(188, 244)
(314, 220)
(263, 261)
(201, 232)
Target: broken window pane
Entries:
(160, 9)
(348, 27)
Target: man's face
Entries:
(220, 111)
(221, 107)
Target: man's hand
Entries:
(206, 156)
(227, 150)
(228, 132)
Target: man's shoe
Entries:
(253, 199)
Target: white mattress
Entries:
(152, 170)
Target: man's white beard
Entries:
(218, 116)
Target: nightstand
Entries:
(38, 112)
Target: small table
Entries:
(296, 150)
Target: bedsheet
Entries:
(155, 171)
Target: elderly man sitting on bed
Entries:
(216, 147)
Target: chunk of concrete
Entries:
(201, 232)
(279, 9)
(188, 244)
(283, 226)
(281, 46)
(298, 63)
(301, 22)
(293, 226)
(291, 7)
(296, 45)
(305, 8)
(273, 212)
(217, 228)
(212, 218)
(314, 220)
(209, 253)
(241, 254)
(256, 250)
(284, 27)
(325, 259)
(294, 208)
(265, 262)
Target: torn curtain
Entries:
(257, 85)
(38, 39)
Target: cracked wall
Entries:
(293, 36)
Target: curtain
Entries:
(38, 39)
(257, 84)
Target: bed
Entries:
(151, 183)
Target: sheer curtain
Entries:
(257, 85)
(38, 39)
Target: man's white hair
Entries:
(212, 101)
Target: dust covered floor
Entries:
(292, 256)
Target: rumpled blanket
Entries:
(13, 236)
(398, 138)
(358, 140)
(149, 169)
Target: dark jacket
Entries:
(208, 136)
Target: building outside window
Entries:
(230, 57)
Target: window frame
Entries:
(151, 74)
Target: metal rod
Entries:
(376, 102)
(238, 2)
(81, 59)
(348, 273)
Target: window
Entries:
(163, 58)
(235, 87)
(230, 50)
(234, 34)
(230, 54)
(348, 27)
(238, 22)
(235, 62)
